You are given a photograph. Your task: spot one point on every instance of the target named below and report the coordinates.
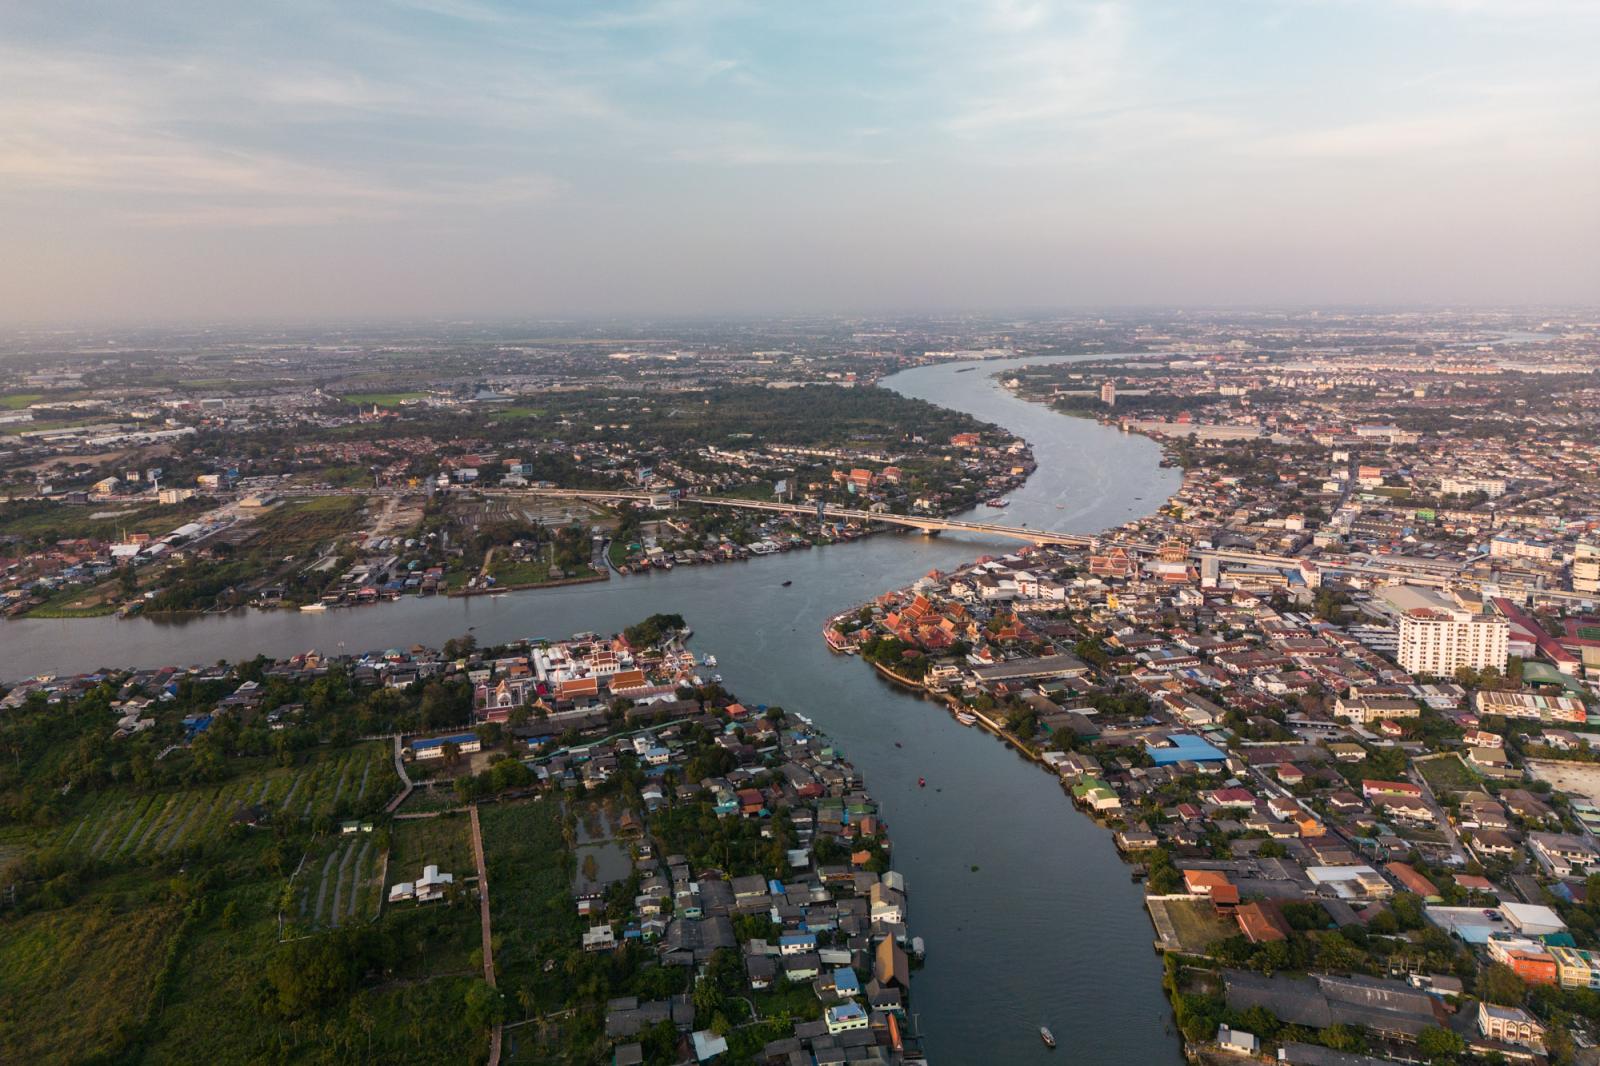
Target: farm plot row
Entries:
(339, 882)
(119, 824)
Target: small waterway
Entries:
(1029, 916)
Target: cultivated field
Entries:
(119, 825)
(339, 882)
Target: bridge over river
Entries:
(927, 523)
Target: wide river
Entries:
(1029, 916)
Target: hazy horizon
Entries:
(415, 160)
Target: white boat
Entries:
(1047, 1036)
(709, 660)
(313, 607)
(966, 719)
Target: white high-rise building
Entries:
(1439, 638)
(1586, 567)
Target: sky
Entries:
(304, 160)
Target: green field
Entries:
(120, 824)
(301, 525)
(530, 867)
(212, 1012)
(382, 399)
(18, 428)
(1447, 774)
(519, 571)
(1197, 924)
(1589, 632)
(72, 981)
(158, 943)
(339, 882)
(46, 520)
(18, 400)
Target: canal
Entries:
(1028, 914)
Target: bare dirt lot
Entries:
(1578, 779)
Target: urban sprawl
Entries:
(1332, 698)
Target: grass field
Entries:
(1447, 774)
(618, 552)
(18, 400)
(16, 429)
(382, 399)
(445, 842)
(300, 526)
(1197, 924)
(519, 571)
(92, 602)
(54, 521)
(72, 981)
(530, 866)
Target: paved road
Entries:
(405, 778)
(1440, 815)
(483, 915)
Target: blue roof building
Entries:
(1183, 747)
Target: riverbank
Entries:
(1071, 776)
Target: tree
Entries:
(312, 974)
(460, 647)
(484, 1005)
(1341, 1037)
(451, 752)
(1501, 985)
(1439, 1045)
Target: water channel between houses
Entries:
(1029, 916)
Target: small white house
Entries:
(432, 883)
(430, 886)
(599, 938)
(1237, 1040)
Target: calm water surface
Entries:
(1028, 914)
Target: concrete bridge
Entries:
(927, 523)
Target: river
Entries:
(1029, 916)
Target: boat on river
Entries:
(709, 660)
(313, 607)
(966, 718)
(998, 501)
(1047, 1036)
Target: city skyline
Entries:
(455, 158)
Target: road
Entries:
(497, 1033)
(1439, 814)
(405, 778)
